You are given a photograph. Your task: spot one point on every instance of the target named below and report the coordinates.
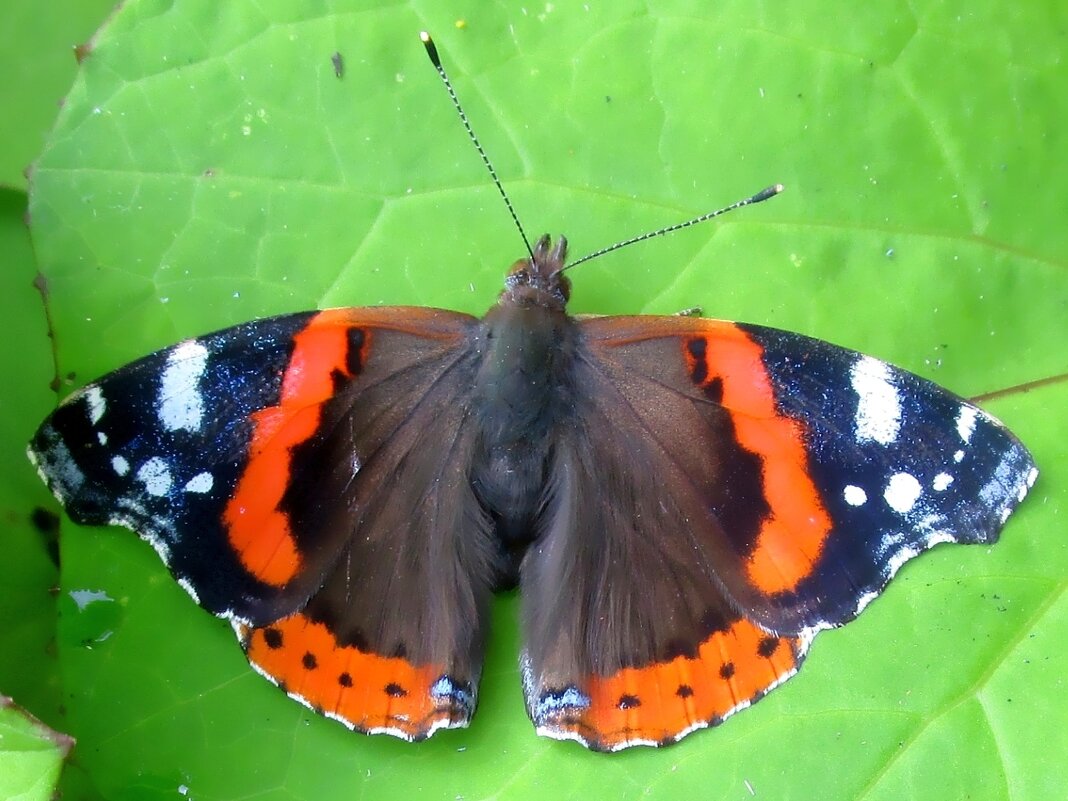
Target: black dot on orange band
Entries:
(395, 690)
(684, 691)
(309, 661)
(628, 701)
(345, 680)
(273, 638)
(768, 646)
(726, 670)
(697, 348)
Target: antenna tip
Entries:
(764, 194)
(431, 49)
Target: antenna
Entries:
(435, 59)
(759, 197)
(432, 52)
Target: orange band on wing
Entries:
(259, 531)
(365, 691)
(660, 703)
(791, 537)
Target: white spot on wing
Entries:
(854, 495)
(156, 476)
(95, 403)
(966, 422)
(101, 437)
(120, 465)
(902, 492)
(878, 415)
(201, 482)
(180, 404)
(941, 482)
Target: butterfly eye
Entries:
(519, 278)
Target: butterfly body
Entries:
(524, 389)
(684, 503)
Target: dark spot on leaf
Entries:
(47, 524)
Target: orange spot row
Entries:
(662, 701)
(369, 692)
(791, 538)
(259, 531)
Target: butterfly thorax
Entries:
(522, 392)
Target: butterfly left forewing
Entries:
(714, 460)
(305, 476)
(159, 446)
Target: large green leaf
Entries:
(209, 166)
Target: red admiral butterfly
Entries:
(684, 503)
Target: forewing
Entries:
(315, 456)
(702, 522)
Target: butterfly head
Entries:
(539, 280)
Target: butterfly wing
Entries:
(280, 470)
(724, 492)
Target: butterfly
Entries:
(682, 502)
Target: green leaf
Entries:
(31, 755)
(37, 60)
(28, 572)
(209, 167)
